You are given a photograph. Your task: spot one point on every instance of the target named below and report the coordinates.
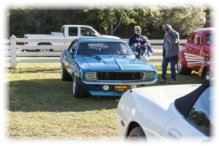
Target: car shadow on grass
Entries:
(181, 79)
(34, 70)
(52, 95)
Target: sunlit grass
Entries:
(42, 106)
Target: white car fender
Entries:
(134, 109)
(151, 107)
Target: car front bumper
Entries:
(97, 88)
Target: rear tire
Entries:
(44, 50)
(136, 134)
(65, 76)
(77, 90)
(181, 70)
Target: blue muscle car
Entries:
(104, 67)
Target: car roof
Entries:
(99, 39)
(203, 30)
(75, 25)
(185, 103)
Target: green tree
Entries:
(184, 20)
(115, 21)
(111, 19)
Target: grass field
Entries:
(42, 106)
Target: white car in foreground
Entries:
(166, 112)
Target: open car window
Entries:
(103, 48)
(191, 38)
(198, 40)
(85, 31)
(200, 114)
(195, 107)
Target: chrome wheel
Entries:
(181, 70)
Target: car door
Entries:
(189, 45)
(69, 56)
(192, 55)
(197, 124)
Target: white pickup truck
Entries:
(68, 32)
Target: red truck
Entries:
(195, 54)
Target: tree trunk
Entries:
(117, 26)
(111, 28)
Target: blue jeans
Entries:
(139, 51)
(165, 63)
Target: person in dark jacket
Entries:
(138, 42)
(170, 52)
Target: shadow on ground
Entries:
(34, 70)
(52, 95)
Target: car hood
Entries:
(110, 36)
(112, 63)
(163, 96)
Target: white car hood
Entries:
(163, 96)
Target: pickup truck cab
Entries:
(68, 32)
(78, 30)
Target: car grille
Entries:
(120, 75)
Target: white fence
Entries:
(18, 47)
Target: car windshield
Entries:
(103, 48)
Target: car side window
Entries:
(73, 31)
(200, 114)
(198, 40)
(191, 38)
(85, 31)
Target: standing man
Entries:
(138, 42)
(170, 52)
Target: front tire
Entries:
(44, 50)
(181, 70)
(136, 134)
(77, 90)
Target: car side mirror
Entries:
(71, 52)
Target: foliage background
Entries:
(114, 21)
